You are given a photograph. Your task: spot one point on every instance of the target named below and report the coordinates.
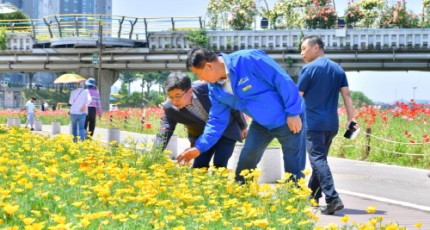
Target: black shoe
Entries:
(32, 129)
(332, 207)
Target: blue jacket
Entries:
(262, 90)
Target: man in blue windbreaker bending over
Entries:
(253, 83)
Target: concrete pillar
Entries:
(17, 122)
(107, 79)
(56, 127)
(114, 134)
(173, 146)
(232, 162)
(271, 165)
(38, 125)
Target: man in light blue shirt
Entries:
(30, 113)
(253, 83)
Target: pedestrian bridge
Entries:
(103, 45)
(67, 42)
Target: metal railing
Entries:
(87, 25)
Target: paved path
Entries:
(400, 194)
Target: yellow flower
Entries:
(419, 225)
(35, 226)
(306, 172)
(345, 219)
(261, 223)
(371, 209)
(28, 221)
(10, 209)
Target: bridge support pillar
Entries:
(107, 79)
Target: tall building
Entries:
(85, 7)
(42, 8)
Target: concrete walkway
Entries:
(400, 194)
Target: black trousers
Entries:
(90, 121)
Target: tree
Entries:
(128, 78)
(150, 80)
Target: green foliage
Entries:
(3, 38)
(321, 15)
(237, 14)
(198, 38)
(18, 14)
(360, 98)
(353, 14)
(399, 16)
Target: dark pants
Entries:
(259, 137)
(90, 121)
(321, 181)
(221, 152)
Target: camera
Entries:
(352, 132)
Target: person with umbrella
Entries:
(94, 108)
(79, 101)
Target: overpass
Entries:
(72, 42)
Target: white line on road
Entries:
(385, 200)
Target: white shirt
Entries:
(30, 106)
(78, 98)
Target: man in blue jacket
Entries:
(188, 104)
(253, 83)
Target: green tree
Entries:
(128, 78)
(358, 98)
(17, 14)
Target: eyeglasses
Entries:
(177, 97)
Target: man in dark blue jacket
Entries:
(189, 104)
(253, 83)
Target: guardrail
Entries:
(88, 25)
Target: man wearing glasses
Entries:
(188, 103)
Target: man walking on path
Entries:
(30, 113)
(320, 82)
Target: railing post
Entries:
(132, 28)
(49, 27)
(59, 26)
(367, 147)
(120, 27)
(201, 23)
(173, 24)
(33, 28)
(76, 26)
(146, 31)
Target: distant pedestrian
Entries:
(94, 108)
(320, 82)
(30, 113)
(79, 101)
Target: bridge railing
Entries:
(83, 25)
(334, 39)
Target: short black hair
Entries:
(314, 39)
(177, 80)
(33, 98)
(198, 57)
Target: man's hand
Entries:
(244, 133)
(295, 124)
(188, 155)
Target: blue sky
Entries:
(378, 86)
